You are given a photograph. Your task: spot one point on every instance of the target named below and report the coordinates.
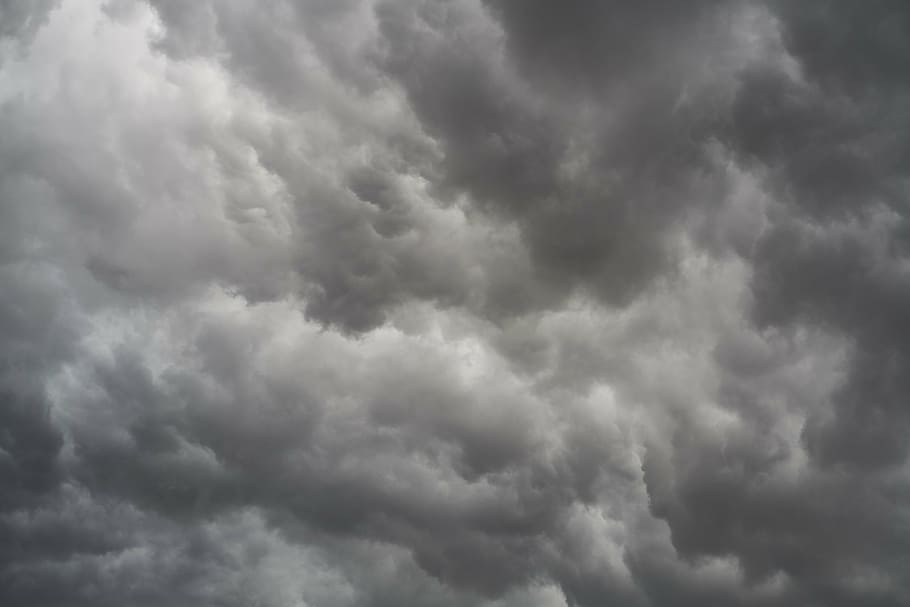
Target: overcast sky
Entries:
(454, 303)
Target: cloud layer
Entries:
(358, 303)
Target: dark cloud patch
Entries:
(598, 45)
(854, 49)
(30, 446)
(827, 140)
(848, 280)
(594, 180)
(741, 492)
(831, 134)
(834, 148)
(19, 19)
(824, 152)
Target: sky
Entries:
(446, 303)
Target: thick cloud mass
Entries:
(362, 303)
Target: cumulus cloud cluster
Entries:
(355, 303)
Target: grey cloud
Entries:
(824, 139)
(834, 153)
(362, 223)
(442, 303)
(826, 37)
(598, 44)
(595, 179)
(30, 448)
(415, 459)
(21, 18)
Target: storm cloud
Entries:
(361, 303)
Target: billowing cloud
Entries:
(373, 302)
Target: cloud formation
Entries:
(378, 302)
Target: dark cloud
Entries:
(588, 124)
(836, 260)
(599, 45)
(498, 303)
(827, 36)
(19, 19)
(824, 139)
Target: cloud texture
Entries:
(362, 303)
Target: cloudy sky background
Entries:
(506, 303)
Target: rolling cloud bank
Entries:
(506, 303)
